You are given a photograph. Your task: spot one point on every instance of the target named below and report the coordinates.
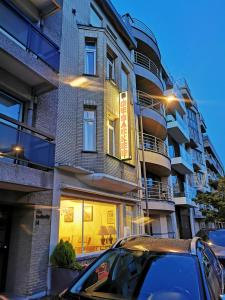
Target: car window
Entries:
(172, 277)
(212, 274)
(113, 276)
(217, 237)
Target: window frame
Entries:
(124, 71)
(110, 63)
(92, 109)
(110, 127)
(92, 51)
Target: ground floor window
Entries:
(129, 220)
(89, 226)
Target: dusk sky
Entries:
(191, 37)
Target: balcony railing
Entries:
(24, 145)
(185, 191)
(146, 63)
(20, 29)
(157, 190)
(142, 27)
(146, 100)
(153, 144)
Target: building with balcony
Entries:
(96, 175)
(29, 64)
(154, 162)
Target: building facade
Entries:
(91, 149)
(30, 37)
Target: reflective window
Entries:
(111, 138)
(90, 57)
(124, 80)
(89, 130)
(10, 107)
(95, 19)
(110, 70)
(89, 226)
(172, 277)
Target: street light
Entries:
(170, 98)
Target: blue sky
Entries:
(191, 37)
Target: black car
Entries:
(215, 238)
(142, 267)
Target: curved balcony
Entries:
(155, 155)
(153, 114)
(144, 33)
(146, 68)
(159, 195)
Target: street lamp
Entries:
(170, 98)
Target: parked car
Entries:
(215, 238)
(141, 267)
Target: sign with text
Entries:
(124, 134)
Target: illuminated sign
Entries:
(124, 134)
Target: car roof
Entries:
(148, 243)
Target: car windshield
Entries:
(217, 237)
(126, 274)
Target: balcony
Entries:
(153, 114)
(155, 155)
(28, 36)
(24, 145)
(159, 195)
(177, 128)
(185, 195)
(146, 68)
(182, 162)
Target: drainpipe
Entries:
(144, 171)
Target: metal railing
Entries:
(157, 190)
(24, 145)
(146, 63)
(146, 100)
(144, 28)
(153, 144)
(19, 28)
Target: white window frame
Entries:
(112, 128)
(91, 149)
(94, 51)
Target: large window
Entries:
(10, 107)
(95, 19)
(111, 138)
(193, 125)
(90, 57)
(124, 80)
(110, 72)
(89, 226)
(89, 130)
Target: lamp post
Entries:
(169, 99)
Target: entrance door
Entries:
(4, 244)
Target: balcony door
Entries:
(5, 222)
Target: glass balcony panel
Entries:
(22, 146)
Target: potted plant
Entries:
(64, 267)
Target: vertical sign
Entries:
(124, 136)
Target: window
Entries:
(124, 80)
(10, 107)
(111, 137)
(89, 226)
(90, 57)
(110, 71)
(89, 130)
(95, 19)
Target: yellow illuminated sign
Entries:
(124, 134)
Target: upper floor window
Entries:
(110, 66)
(10, 107)
(95, 19)
(90, 57)
(124, 80)
(111, 138)
(89, 130)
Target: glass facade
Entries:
(89, 226)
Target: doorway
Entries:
(5, 224)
